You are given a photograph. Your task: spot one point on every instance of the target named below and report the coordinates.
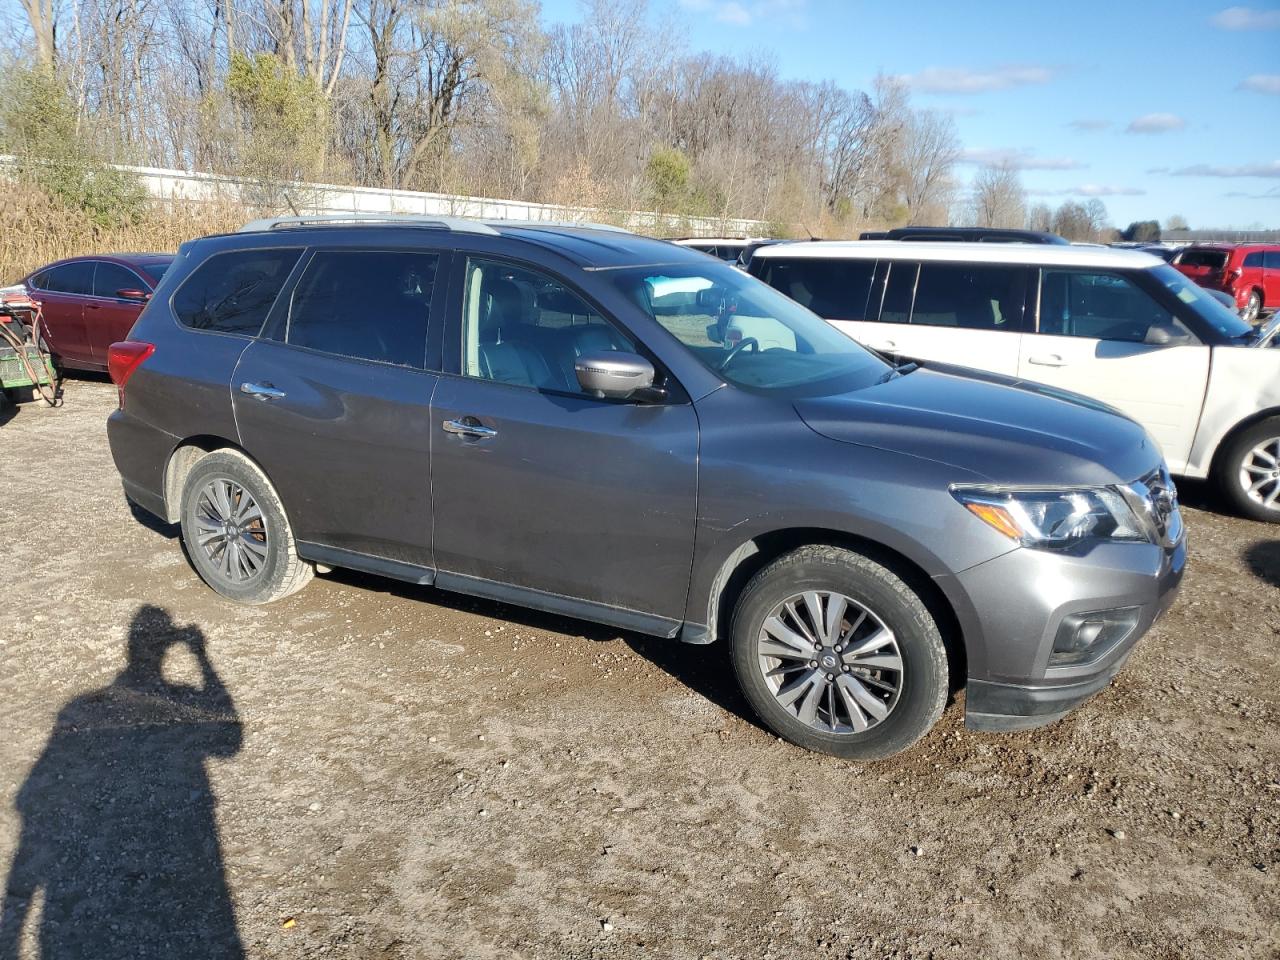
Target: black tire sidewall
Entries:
(234, 468)
(1229, 470)
(925, 678)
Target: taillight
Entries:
(125, 357)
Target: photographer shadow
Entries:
(119, 842)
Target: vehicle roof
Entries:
(590, 247)
(742, 240)
(1034, 236)
(1231, 245)
(946, 250)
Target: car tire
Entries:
(1252, 308)
(873, 604)
(1252, 457)
(236, 532)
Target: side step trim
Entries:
(337, 557)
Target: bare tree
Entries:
(997, 198)
(930, 150)
(1040, 217)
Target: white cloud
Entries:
(1018, 159)
(1261, 83)
(1265, 169)
(1156, 123)
(743, 13)
(1272, 194)
(1246, 18)
(1089, 125)
(1091, 190)
(965, 80)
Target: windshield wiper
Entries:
(901, 370)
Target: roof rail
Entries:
(459, 224)
(586, 224)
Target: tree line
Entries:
(480, 97)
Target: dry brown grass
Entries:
(35, 230)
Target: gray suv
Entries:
(610, 427)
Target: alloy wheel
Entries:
(1252, 308)
(1260, 473)
(830, 662)
(231, 530)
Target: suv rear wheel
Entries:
(236, 531)
(1252, 307)
(1248, 471)
(836, 653)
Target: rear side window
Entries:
(1213, 259)
(110, 278)
(370, 305)
(233, 292)
(974, 296)
(1253, 259)
(70, 278)
(833, 289)
(899, 292)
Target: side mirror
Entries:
(613, 374)
(132, 293)
(1165, 335)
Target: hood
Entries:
(1006, 430)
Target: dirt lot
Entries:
(372, 770)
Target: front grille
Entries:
(1159, 498)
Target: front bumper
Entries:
(1018, 601)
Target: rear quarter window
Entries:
(233, 292)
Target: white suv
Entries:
(1117, 325)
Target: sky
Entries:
(1156, 109)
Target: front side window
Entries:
(233, 292)
(74, 277)
(746, 332)
(1099, 306)
(833, 289)
(973, 296)
(370, 305)
(110, 278)
(527, 329)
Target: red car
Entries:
(92, 302)
(1248, 272)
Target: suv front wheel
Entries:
(1248, 471)
(236, 532)
(836, 653)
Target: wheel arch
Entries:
(756, 553)
(1235, 430)
(185, 456)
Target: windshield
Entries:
(749, 334)
(1212, 259)
(1220, 317)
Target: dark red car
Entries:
(1248, 272)
(92, 302)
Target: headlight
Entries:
(1054, 518)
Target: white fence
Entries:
(186, 186)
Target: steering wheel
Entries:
(738, 348)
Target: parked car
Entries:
(540, 415)
(964, 235)
(1248, 272)
(91, 302)
(1116, 325)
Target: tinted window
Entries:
(1101, 306)
(371, 305)
(1253, 259)
(1213, 259)
(74, 277)
(109, 278)
(525, 328)
(156, 268)
(833, 289)
(233, 292)
(1271, 259)
(968, 295)
(748, 333)
(899, 292)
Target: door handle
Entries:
(1047, 360)
(469, 427)
(261, 391)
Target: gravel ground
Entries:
(368, 769)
